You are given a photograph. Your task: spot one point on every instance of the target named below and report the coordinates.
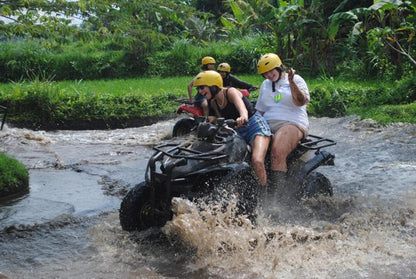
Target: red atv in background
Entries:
(189, 123)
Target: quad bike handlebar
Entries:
(221, 132)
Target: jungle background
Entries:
(66, 61)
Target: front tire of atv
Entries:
(245, 186)
(136, 212)
(316, 184)
(183, 127)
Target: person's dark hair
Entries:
(214, 90)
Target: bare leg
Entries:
(260, 145)
(285, 141)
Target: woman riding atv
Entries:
(207, 63)
(282, 101)
(230, 103)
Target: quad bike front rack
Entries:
(181, 155)
(178, 152)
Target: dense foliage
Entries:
(44, 41)
(358, 39)
(28, 60)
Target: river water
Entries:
(67, 225)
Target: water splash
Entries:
(344, 237)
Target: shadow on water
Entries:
(67, 225)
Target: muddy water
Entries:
(67, 225)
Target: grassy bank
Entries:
(14, 177)
(46, 104)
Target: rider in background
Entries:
(230, 103)
(282, 101)
(230, 80)
(207, 63)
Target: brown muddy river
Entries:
(67, 225)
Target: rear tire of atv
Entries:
(183, 127)
(316, 184)
(135, 209)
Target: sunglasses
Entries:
(201, 87)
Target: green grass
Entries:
(347, 84)
(387, 114)
(54, 103)
(176, 86)
(13, 174)
(120, 87)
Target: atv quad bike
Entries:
(216, 158)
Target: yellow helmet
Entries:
(224, 67)
(268, 62)
(208, 78)
(207, 60)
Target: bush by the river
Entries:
(24, 60)
(14, 177)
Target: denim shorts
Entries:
(256, 125)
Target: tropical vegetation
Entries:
(118, 38)
(57, 56)
(360, 53)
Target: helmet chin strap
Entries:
(279, 69)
